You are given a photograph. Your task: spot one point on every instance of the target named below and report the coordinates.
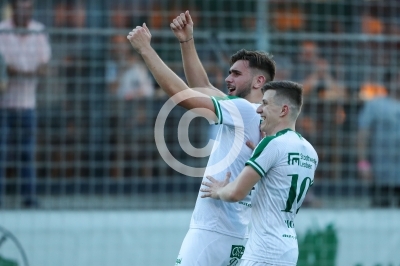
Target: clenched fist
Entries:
(140, 38)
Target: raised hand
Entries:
(212, 187)
(140, 37)
(182, 27)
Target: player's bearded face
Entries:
(244, 90)
(239, 81)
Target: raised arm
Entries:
(182, 27)
(140, 38)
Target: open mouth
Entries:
(231, 90)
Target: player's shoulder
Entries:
(285, 134)
(305, 146)
(281, 139)
(228, 98)
(239, 102)
(265, 142)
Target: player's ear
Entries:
(260, 80)
(285, 110)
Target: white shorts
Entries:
(207, 248)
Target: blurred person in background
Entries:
(129, 85)
(124, 13)
(323, 109)
(72, 58)
(315, 75)
(127, 76)
(322, 84)
(3, 75)
(26, 55)
(378, 143)
(130, 88)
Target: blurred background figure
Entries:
(26, 51)
(378, 146)
(323, 109)
(314, 73)
(126, 75)
(131, 88)
(322, 84)
(3, 74)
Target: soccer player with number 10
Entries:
(283, 164)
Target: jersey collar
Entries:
(279, 133)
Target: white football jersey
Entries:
(239, 122)
(286, 163)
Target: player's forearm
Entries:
(164, 76)
(194, 70)
(231, 192)
(227, 194)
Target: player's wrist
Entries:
(186, 40)
(145, 50)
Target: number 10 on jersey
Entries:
(293, 195)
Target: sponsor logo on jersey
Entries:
(302, 160)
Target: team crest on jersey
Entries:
(236, 254)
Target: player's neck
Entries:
(255, 97)
(283, 126)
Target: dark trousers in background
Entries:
(17, 151)
(384, 196)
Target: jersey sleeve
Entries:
(264, 156)
(233, 111)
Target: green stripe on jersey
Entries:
(217, 106)
(259, 149)
(218, 111)
(261, 146)
(226, 97)
(256, 153)
(256, 167)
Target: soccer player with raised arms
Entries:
(283, 164)
(218, 230)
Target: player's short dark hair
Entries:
(286, 89)
(257, 59)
